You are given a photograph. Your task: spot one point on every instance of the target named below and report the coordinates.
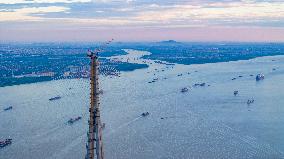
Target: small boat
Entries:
(103, 125)
(8, 108)
(234, 79)
(71, 120)
(236, 93)
(199, 84)
(183, 90)
(5, 143)
(145, 114)
(54, 98)
(202, 84)
(259, 77)
(250, 101)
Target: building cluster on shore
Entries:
(36, 74)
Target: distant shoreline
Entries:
(38, 80)
(212, 62)
(31, 63)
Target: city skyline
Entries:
(145, 20)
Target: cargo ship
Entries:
(54, 98)
(8, 108)
(5, 143)
(71, 121)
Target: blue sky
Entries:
(141, 20)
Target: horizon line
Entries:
(5, 42)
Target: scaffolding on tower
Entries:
(94, 144)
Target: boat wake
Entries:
(122, 126)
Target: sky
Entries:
(141, 20)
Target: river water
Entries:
(205, 122)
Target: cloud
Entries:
(24, 14)
(156, 14)
(235, 10)
(60, 1)
(41, 1)
(150, 18)
(240, 13)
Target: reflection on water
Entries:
(205, 122)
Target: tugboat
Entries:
(183, 90)
(54, 98)
(71, 120)
(5, 143)
(145, 114)
(259, 77)
(8, 108)
(236, 93)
